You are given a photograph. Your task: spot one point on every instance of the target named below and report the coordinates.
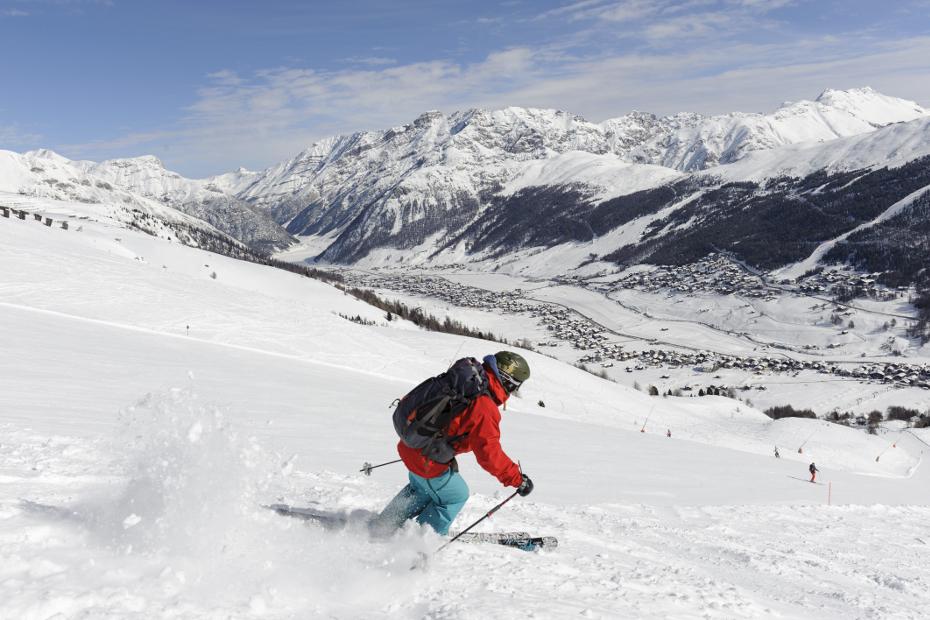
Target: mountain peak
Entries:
(47, 154)
(150, 160)
(871, 106)
(830, 95)
(429, 115)
(143, 161)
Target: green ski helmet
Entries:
(513, 370)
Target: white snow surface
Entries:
(147, 409)
(609, 174)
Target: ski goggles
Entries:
(510, 384)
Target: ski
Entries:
(338, 521)
(329, 520)
(519, 540)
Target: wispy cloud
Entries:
(225, 77)
(666, 20)
(371, 61)
(12, 136)
(18, 8)
(574, 10)
(625, 11)
(698, 26)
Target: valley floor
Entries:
(706, 322)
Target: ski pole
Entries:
(649, 415)
(805, 442)
(367, 467)
(467, 529)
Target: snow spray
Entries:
(191, 507)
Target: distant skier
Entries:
(436, 492)
(813, 470)
(668, 433)
(777, 455)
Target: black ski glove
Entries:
(526, 487)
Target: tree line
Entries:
(418, 317)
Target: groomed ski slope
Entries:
(147, 409)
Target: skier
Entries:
(777, 455)
(436, 492)
(668, 433)
(813, 470)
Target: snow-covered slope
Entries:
(147, 409)
(232, 182)
(605, 176)
(891, 146)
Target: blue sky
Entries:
(208, 86)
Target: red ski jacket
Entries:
(482, 423)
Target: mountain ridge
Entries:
(435, 188)
(147, 177)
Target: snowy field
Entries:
(148, 408)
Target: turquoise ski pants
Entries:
(432, 501)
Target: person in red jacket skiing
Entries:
(436, 492)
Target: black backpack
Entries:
(422, 417)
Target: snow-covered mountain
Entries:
(46, 178)
(232, 182)
(47, 174)
(486, 184)
(502, 185)
(690, 142)
(204, 199)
